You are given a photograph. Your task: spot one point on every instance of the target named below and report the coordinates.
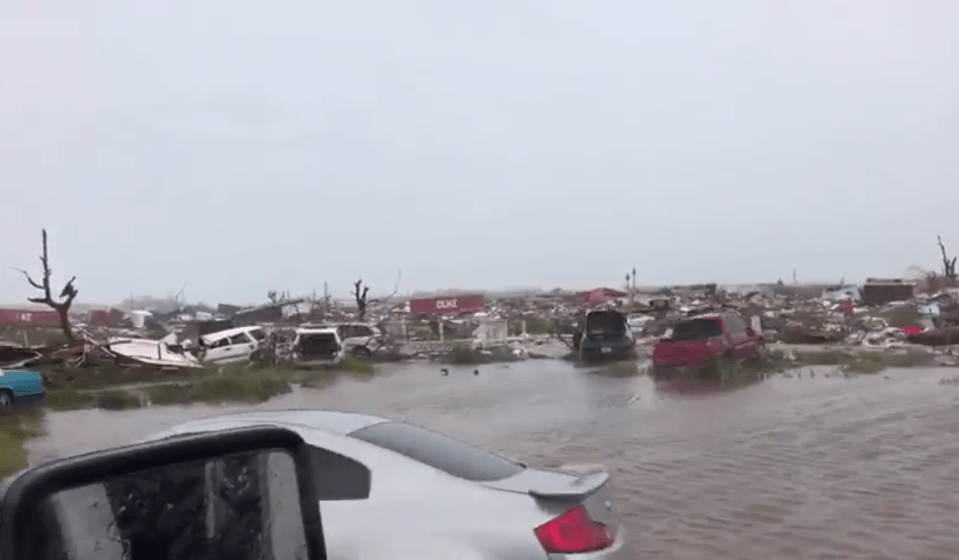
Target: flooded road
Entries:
(804, 468)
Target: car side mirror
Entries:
(750, 331)
(243, 494)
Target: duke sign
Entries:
(448, 305)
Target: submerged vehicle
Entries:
(606, 335)
(427, 495)
(21, 388)
(703, 340)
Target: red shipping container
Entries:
(449, 305)
(31, 317)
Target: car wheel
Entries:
(362, 352)
(6, 400)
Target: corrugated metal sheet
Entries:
(31, 317)
(448, 305)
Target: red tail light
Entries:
(573, 532)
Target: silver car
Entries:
(392, 490)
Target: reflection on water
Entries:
(821, 467)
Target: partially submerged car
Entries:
(426, 495)
(606, 335)
(231, 345)
(317, 345)
(704, 339)
(358, 339)
(21, 388)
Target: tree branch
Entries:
(30, 280)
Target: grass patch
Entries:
(858, 362)
(353, 364)
(910, 358)
(255, 387)
(16, 427)
(117, 400)
(169, 394)
(111, 375)
(68, 399)
(84, 388)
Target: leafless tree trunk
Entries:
(360, 293)
(63, 302)
(948, 265)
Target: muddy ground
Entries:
(863, 467)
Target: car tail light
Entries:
(573, 532)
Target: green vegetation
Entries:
(254, 388)
(115, 388)
(112, 375)
(864, 362)
(356, 365)
(16, 427)
(69, 399)
(117, 400)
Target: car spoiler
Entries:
(578, 489)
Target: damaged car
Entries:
(703, 339)
(317, 345)
(358, 339)
(231, 345)
(606, 335)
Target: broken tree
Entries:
(360, 293)
(948, 265)
(62, 303)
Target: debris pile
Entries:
(878, 314)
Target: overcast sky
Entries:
(238, 146)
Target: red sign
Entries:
(449, 305)
(33, 317)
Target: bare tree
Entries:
(948, 265)
(62, 303)
(360, 293)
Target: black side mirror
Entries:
(243, 494)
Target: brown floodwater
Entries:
(793, 467)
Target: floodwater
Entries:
(788, 468)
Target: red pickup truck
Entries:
(700, 340)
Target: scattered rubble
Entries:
(881, 315)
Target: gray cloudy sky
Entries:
(238, 146)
